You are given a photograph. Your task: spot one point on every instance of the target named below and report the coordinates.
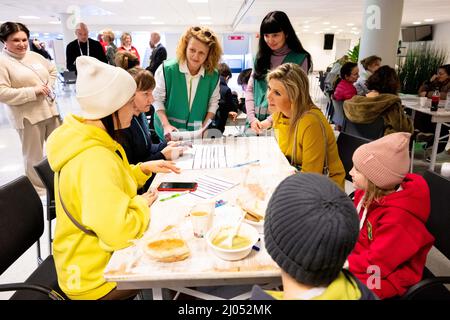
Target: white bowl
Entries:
(245, 230)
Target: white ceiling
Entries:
(226, 15)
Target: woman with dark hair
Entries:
(278, 44)
(384, 80)
(422, 122)
(440, 81)
(242, 80)
(97, 205)
(136, 139)
(344, 86)
(381, 101)
(26, 88)
(39, 47)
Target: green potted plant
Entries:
(420, 63)
(353, 54)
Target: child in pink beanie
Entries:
(393, 207)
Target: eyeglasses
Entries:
(206, 33)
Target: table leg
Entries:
(435, 146)
(157, 293)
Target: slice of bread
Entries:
(167, 246)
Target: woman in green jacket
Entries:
(278, 44)
(187, 88)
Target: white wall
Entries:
(441, 37)
(171, 44)
(313, 43)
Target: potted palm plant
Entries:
(353, 54)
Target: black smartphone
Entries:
(177, 186)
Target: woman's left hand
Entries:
(159, 166)
(150, 196)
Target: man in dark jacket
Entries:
(83, 46)
(159, 53)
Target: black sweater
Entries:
(137, 143)
(73, 52)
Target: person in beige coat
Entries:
(26, 88)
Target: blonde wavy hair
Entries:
(375, 194)
(206, 36)
(296, 83)
(108, 35)
(124, 35)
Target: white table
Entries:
(132, 269)
(439, 117)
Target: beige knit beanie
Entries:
(385, 161)
(102, 89)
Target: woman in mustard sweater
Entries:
(303, 133)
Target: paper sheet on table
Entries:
(204, 156)
(189, 135)
(211, 186)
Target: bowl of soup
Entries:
(218, 240)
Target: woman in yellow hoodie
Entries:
(303, 133)
(97, 205)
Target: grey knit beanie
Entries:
(311, 226)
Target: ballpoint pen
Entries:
(255, 246)
(174, 196)
(245, 163)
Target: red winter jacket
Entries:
(344, 90)
(394, 238)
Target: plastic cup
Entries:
(423, 101)
(201, 218)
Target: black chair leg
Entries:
(50, 240)
(39, 256)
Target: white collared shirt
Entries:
(191, 84)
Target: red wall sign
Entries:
(235, 37)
